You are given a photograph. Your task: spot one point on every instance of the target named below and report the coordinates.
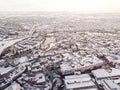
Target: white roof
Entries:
(117, 81)
(93, 59)
(90, 89)
(111, 85)
(85, 61)
(14, 86)
(2, 60)
(6, 44)
(78, 76)
(114, 72)
(100, 73)
(114, 58)
(5, 70)
(21, 60)
(66, 66)
(40, 78)
(78, 81)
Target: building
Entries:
(7, 70)
(79, 82)
(100, 74)
(107, 79)
(66, 68)
(106, 73)
(113, 60)
(110, 85)
(84, 64)
(38, 79)
(21, 60)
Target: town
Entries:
(69, 60)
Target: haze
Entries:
(61, 5)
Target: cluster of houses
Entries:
(90, 73)
(84, 64)
(70, 61)
(9, 74)
(105, 78)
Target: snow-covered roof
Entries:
(110, 85)
(7, 43)
(114, 72)
(5, 70)
(102, 73)
(14, 86)
(40, 78)
(80, 81)
(85, 77)
(21, 60)
(114, 58)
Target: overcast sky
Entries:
(61, 5)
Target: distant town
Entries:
(38, 59)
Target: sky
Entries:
(61, 5)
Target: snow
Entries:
(5, 70)
(21, 60)
(100, 73)
(115, 72)
(80, 81)
(6, 44)
(14, 86)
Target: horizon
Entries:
(67, 12)
(81, 6)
